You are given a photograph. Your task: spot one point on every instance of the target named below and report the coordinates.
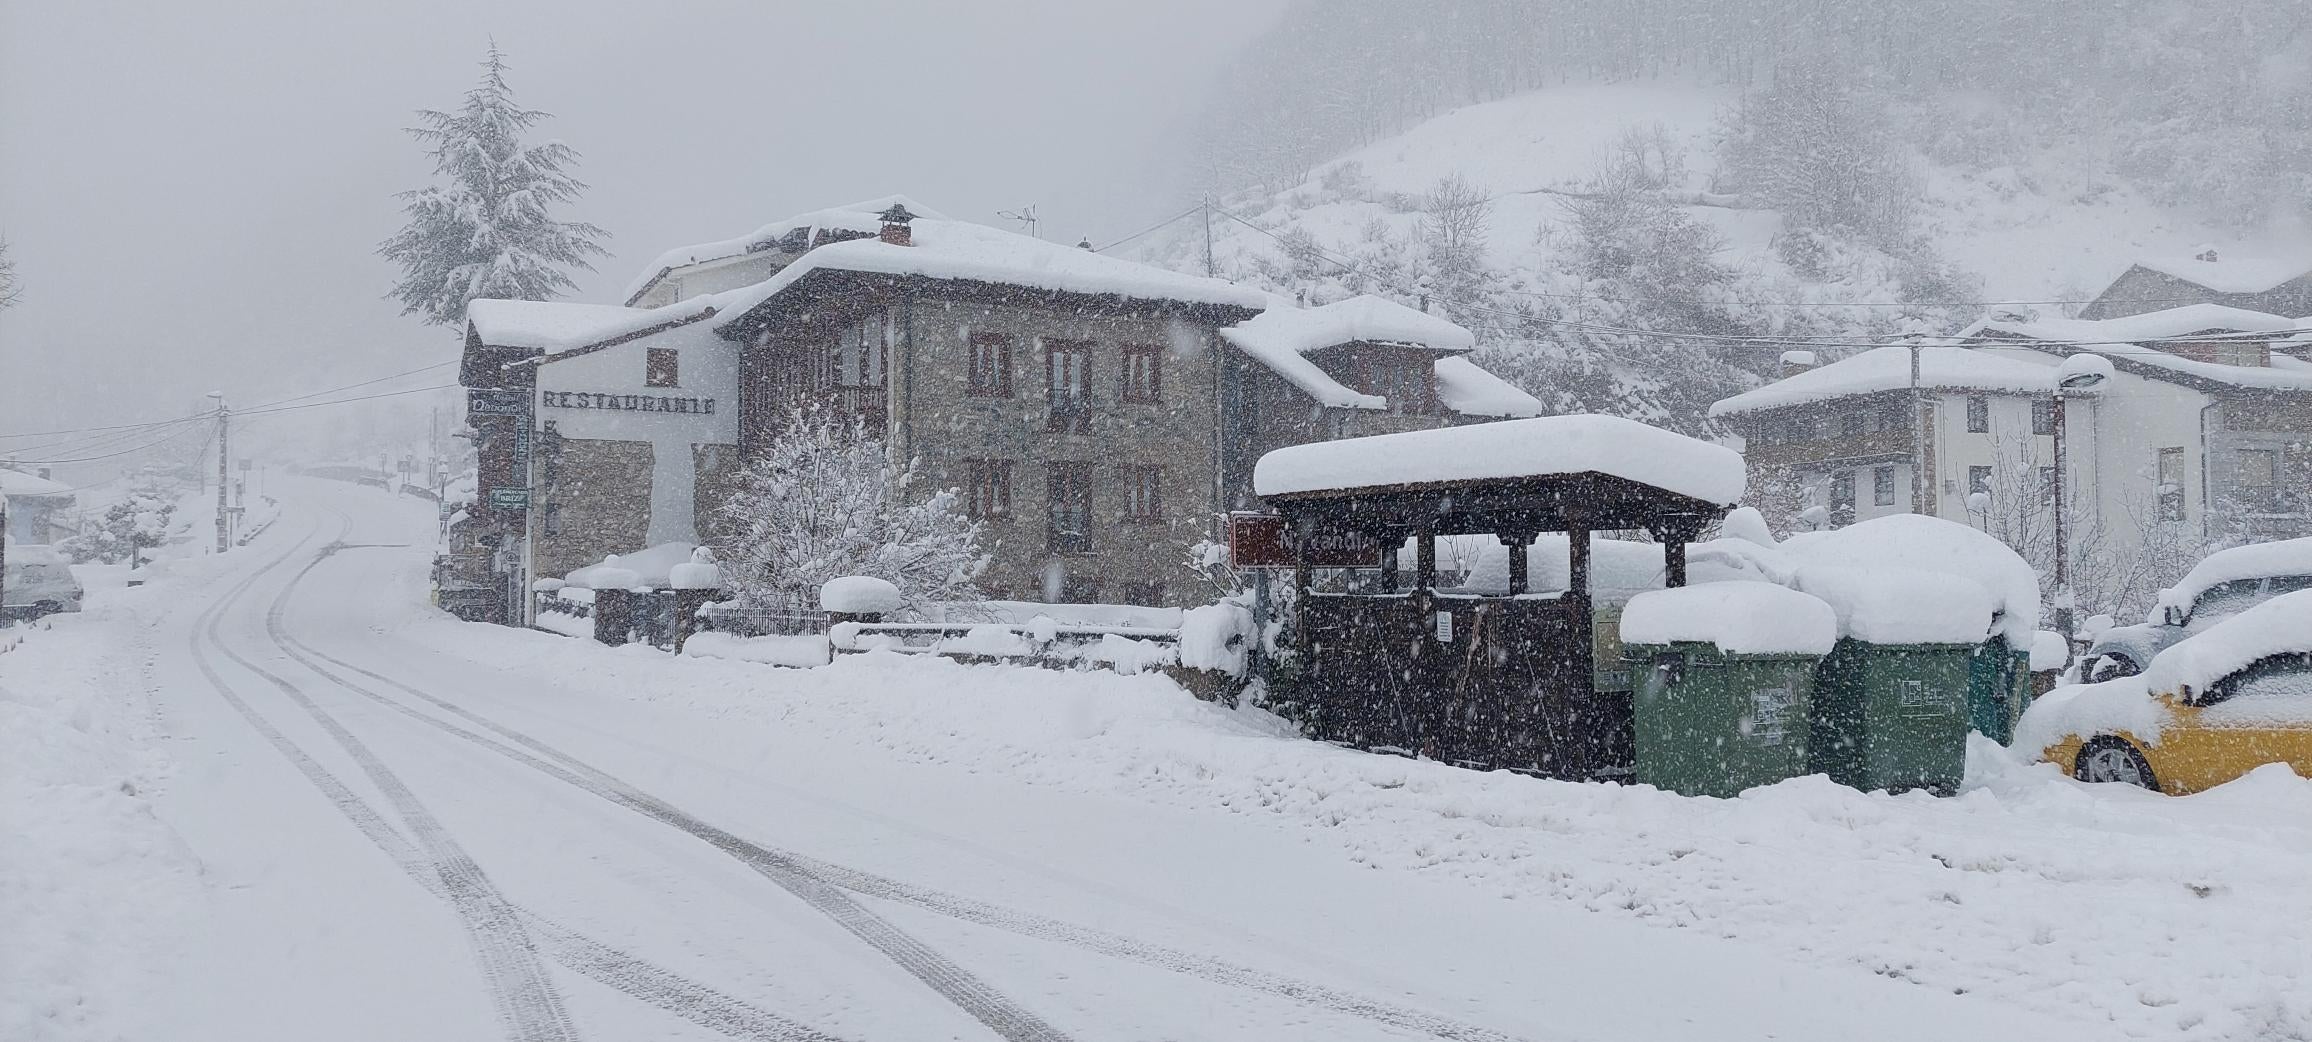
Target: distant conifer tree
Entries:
(487, 232)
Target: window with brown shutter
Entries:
(991, 362)
(1068, 507)
(987, 489)
(661, 367)
(1067, 370)
(1143, 377)
(1143, 494)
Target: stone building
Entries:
(1099, 415)
(2273, 285)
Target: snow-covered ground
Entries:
(377, 822)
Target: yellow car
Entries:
(2207, 710)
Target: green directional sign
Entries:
(510, 498)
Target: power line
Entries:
(348, 387)
(114, 427)
(157, 424)
(340, 401)
(1174, 219)
(99, 441)
(123, 452)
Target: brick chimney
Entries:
(1796, 362)
(896, 225)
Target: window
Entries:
(1882, 487)
(1068, 507)
(1149, 595)
(859, 354)
(1066, 365)
(991, 363)
(1143, 493)
(2258, 469)
(1978, 415)
(2047, 484)
(1842, 498)
(662, 367)
(1979, 480)
(987, 489)
(1143, 373)
(2171, 484)
(2275, 688)
(2042, 416)
(1409, 388)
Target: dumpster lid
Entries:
(1743, 617)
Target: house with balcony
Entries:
(1099, 415)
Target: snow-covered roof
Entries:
(18, 483)
(944, 249)
(557, 326)
(625, 571)
(1894, 605)
(2165, 324)
(1360, 319)
(1542, 446)
(2230, 275)
(2278, 626)
(1889, 369)
(2253, 561)
(862, 216)
(1469, 389)
(1741, 618)
(1935, 545)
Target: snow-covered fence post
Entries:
(613, 600)
(858, 598)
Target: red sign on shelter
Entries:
(1264, 541)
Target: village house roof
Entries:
(18, 483)
(1282, 337)
(1941, 368)
(555, 327)
(2126, 342)
(2166, 324)
(2224, 274)
(859, 218)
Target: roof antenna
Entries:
(1026, 215)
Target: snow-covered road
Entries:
(408, 827)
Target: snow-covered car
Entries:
(2226, 583)
(38, 582)
(2216, 705)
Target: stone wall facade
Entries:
(590, 499)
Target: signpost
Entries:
(497, 402)
(510, 498)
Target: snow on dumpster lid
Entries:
(1934, 545)
(1741, 618)
(1893, 605)
(2253, 561)
(2280, 626)
(1543, 446)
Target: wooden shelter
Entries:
(1487, 681)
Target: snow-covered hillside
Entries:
(2052, 225)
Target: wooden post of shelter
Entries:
(1520, 544)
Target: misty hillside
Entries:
(1631, 189)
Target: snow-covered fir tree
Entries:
(487, 230)
(823, 501)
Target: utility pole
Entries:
(1208, 266)
(1918, 435)
(224, 478)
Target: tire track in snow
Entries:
(552, 761)
(647, 982)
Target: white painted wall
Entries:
(708, 373)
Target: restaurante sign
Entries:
(626, 402)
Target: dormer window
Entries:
(662, 367)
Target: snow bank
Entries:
(1741, 618)
(1889, 605)
(1889, 369)
(860, 595)
(1544, 446)
(2277, 626)
(1216, 637)
(1934, 545)
(801, 652)
(1020, 613)
(2253, 561)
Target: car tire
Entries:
(2108, 759)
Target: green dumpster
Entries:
(1892, 716)
(1724, 673)
(1998, 688)
(1710, 723)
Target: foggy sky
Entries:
(193, 192)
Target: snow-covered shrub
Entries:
(824, 501)
(138, 522)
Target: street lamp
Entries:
(2080, 373)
